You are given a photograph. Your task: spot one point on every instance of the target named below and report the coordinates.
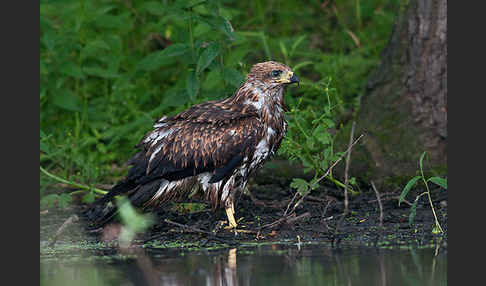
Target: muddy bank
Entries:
(259, 214)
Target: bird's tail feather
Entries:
(104, 209)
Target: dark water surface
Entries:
(266, 265)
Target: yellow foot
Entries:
(230, 214)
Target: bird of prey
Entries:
(211, 147)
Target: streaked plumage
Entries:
(213, 146)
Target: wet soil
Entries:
(259, 214)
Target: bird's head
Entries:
(272, 74)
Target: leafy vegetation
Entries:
(310, 141)
(109, 68)
(436, 180)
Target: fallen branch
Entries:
(379, 204)
(210, 235)
(65, 224)
(287, 219)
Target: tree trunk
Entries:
(403, 112)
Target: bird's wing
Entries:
(204, 140)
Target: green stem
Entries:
(81, 186)
(265, 46)
(191, 37)
(432, 205)
(430, 199)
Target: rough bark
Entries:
(403, 111)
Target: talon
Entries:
(231, 219)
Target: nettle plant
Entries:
(310, 141)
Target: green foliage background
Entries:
(108, 69)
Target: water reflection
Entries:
(264, 265)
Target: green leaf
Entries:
(439, 181)
(324, 164)
(175, 97)
(65, 99)
(192, 85)
(233, 77)
(64, 200)
(108, 21)
(49, 200)
(310, 142)
(94, 49)
(50, 39)
(301, 65)
(159, 59)
(283, 49)
(131, 218)
(207, 57)
(236, 56)
(100, 72)
(324, 137)
(44, 147)
(89, 197)
(301, 185)
(220, 23)
(328, 122)
(155, 8)
(327, 152)
(296, 44)
(73, 70)
(421, 160)
(413, 211)
(407, 188)
(213, 80)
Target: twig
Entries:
(346, 177)
(348, 151)
(287, 219)
(392, 198)
(187, 227)
(290, 203)
(66, 223)
(327, 172)
(379, 204)
(194, 229)
(294, 219)
(337, 161)
(255, 200)
(277, 222)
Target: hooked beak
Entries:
(294, 79)
(288, 78)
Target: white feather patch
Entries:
(261, 153)
(163, 187)
(161, 135)
(227, 188)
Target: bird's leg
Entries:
(230, 211)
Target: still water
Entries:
(266, 265)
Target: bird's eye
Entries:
(276, 73)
